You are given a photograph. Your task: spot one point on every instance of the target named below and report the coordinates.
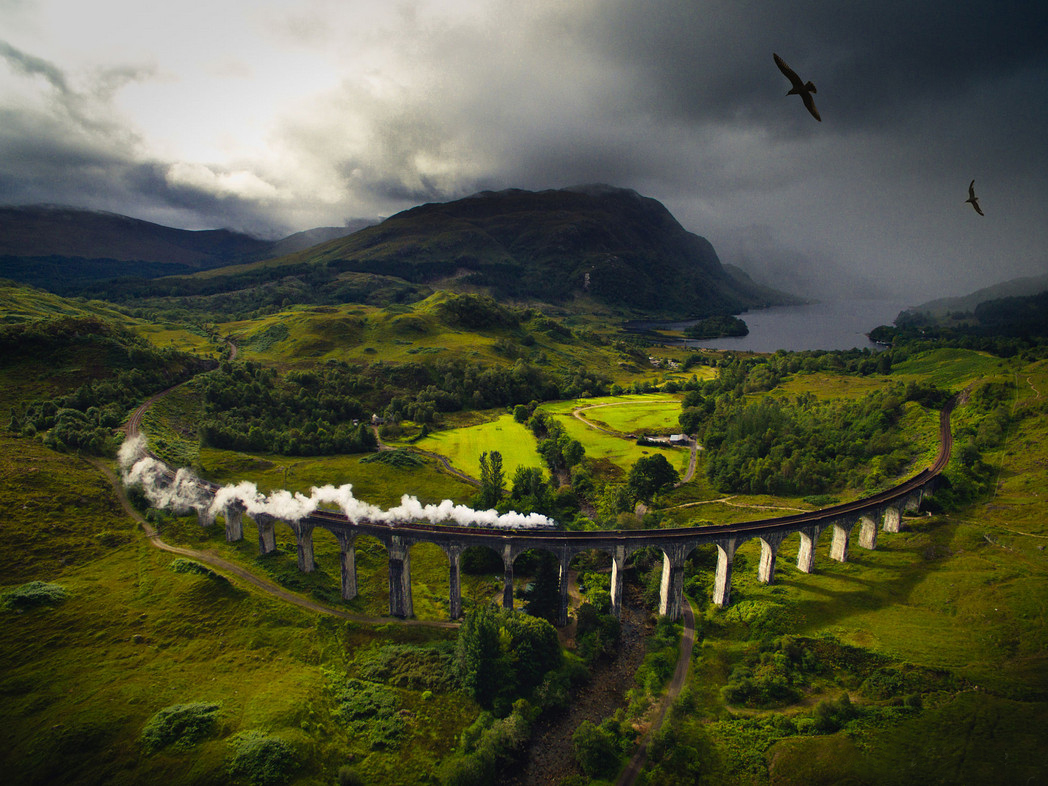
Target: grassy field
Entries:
(634, 414)
(463, 446)
(621, 451)
(81, 680)
(416, 333)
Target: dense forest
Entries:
(799, 446)
(129, 370)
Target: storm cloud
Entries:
(295, 114)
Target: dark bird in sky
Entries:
(974, 199)
(802, 89)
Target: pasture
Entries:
(463, 446)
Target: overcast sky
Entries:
(271, 116)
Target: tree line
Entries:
(799, 445)
(83, 419)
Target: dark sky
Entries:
(272, 117)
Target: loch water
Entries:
(840, 324)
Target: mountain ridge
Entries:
(611, 244)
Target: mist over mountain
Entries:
(814, 276)
(314, 237)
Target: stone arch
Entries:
(559, 560)
(726, 549)
(618, 554)
(671, 589)
(424, 577)
(476, 560)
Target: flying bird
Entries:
(974, 199)
(802, 89)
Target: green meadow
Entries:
(463, 446)
(621, 451)
(633, 414)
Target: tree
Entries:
(543, 597)
(478, 655)
(573, 453)
(502, 655)
(492, 479)
(649, 476)
(595, 749)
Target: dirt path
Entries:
(687, 643)
(233, 569)
(692, 461)
(577, 414)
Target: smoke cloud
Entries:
(183, 491)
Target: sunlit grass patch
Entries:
(619, 450)
(825, 385)
(951, 369)
(646, 415)
(375, 482)
(463, 446)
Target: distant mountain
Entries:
(609, 244)
(1015, 309)
(49, 230)
(314, 237)
(1016, 287)
(60, 248)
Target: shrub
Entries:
(409, 666)
(829, 716)
(180, 725)
(33, 594)
(487, 747)
(595, 749)
(402, 458)
(369, 710)
(182, 565)
(260, 759)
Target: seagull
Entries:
(804, 90)
(974, 199)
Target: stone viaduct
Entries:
(881, 512)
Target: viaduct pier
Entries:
(869, 516)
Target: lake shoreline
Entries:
(826, 325)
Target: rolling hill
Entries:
(64, 248)
(609, 244)
(577, 247)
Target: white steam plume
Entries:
(184, 491)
